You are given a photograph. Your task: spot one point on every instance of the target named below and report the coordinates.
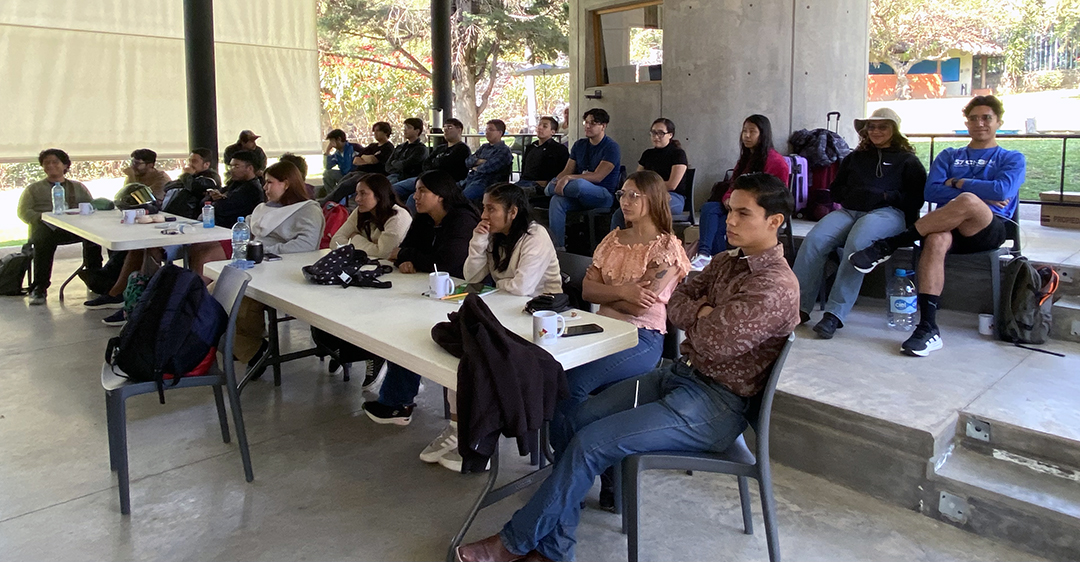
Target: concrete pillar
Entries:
(201, 79)
(793, 61)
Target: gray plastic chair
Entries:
(737, 460)
(229, 291)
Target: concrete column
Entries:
(441, 85)
(792, 61)
(201, 79)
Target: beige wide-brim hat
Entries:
(881, 114)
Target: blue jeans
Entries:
(400, 387)
(852, 231)
(405, 188)
(474, 188)
(677, 410)
(675, 201)
(712, 229)
(578, 195)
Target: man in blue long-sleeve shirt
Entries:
(976, 188)
(341, 158)
(490, 163)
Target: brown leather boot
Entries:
(490, 549)
(535, 556)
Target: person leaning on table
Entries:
(438, 239)
(287, 223)
(377, 226)
(737, 315)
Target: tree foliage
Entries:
(397, 34)
(904, 32)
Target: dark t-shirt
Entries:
(588, 157)
(661, 160)
(381, 152)
(542, 162)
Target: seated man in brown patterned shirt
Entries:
(737, 314)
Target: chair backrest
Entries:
(574, 267)
(229, 292)
(759, 410)
(686, 186)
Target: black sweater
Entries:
(505, 384)
(542, 162)
(876, 178)
(241, 198)
(407, 160)
(450, 159)
(446, 245)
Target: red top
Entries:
(775, 164)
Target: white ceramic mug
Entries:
(440, 284)
(129, 216)
(547, 326)
(86, 208)
(986, 324)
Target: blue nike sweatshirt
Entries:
(993, 174)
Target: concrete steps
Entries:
(1066, 314)
(1009, 498)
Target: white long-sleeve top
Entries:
(533, 267)
(382, 242)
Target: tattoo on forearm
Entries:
(661, 274)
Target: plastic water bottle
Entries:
(240, 236)
(903, 300)
(59, 199)
(208, 215)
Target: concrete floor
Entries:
(331, 485)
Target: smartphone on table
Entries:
(582, 330)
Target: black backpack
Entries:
(1026, 302)
(174, 327)
(13, 269)
(185, 198)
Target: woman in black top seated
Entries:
(666, 158)
(439, 237)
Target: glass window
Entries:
(631, 45)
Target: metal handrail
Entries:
(1065, 138)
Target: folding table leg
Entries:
(275, 346)
(69, 280)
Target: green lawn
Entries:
(1043, 161)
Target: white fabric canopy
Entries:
(101, 78)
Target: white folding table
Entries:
(395, 324)
(106, 229)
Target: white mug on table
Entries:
(86, 208)
(129, 216)
(547, 326)
(440, 284)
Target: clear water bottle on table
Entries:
(208, 215)
(903, 300)
(241, 234)
(59, 199)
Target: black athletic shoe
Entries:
(828, 326)
(923, 340)
(375, 374)
(105, 301)
(383, 414)
(803, 317)
(258, 355)
(866, 259)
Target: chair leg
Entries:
(768, 509)
(223, 420)
(744, 499)
(995, 285)
(119, 412)
(241, 433)
(275, 345)
(630, 474)
(617, 482)
(345, 368)
(111, 429)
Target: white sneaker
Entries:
(699, 263)
(443, 444)
(452, 460)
